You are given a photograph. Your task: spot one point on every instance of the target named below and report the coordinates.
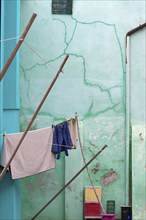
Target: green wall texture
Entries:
(93, 84)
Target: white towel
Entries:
(33, 156)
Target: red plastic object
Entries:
(92, 209)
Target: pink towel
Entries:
(33, 156)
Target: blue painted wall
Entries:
(9, 103)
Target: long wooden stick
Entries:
(88, 172)
(57, 194)
(9, 61)
(33, 117)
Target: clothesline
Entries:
(37, 54)
(46, 62)
(45, 144)
(123, 142)
(34, 51)
(34, 116)
(86, 166)
(30, 102)
(62, 145)
(9, 39)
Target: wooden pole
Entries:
(89, 175)
(9, 61)
(33, 117)
(57, 194)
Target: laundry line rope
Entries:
(85, 166)
(30, 102)
(28, 45)
(114, 145)
(34, 116)
(38, 55)
(9, 39)
(61, 145)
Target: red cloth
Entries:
(92, 209)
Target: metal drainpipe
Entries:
(129, 33)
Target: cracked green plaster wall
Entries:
(92, 84)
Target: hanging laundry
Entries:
(61, 139)
(72, 125)
(34, 155)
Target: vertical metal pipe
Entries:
(127, 115)
(128, 121)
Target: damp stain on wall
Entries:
(109, 178)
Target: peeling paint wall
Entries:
(92, 84)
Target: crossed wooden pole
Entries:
(68, 183)
(9, 61)
(43, 99)
(33, 117)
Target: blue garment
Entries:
(61, 139)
